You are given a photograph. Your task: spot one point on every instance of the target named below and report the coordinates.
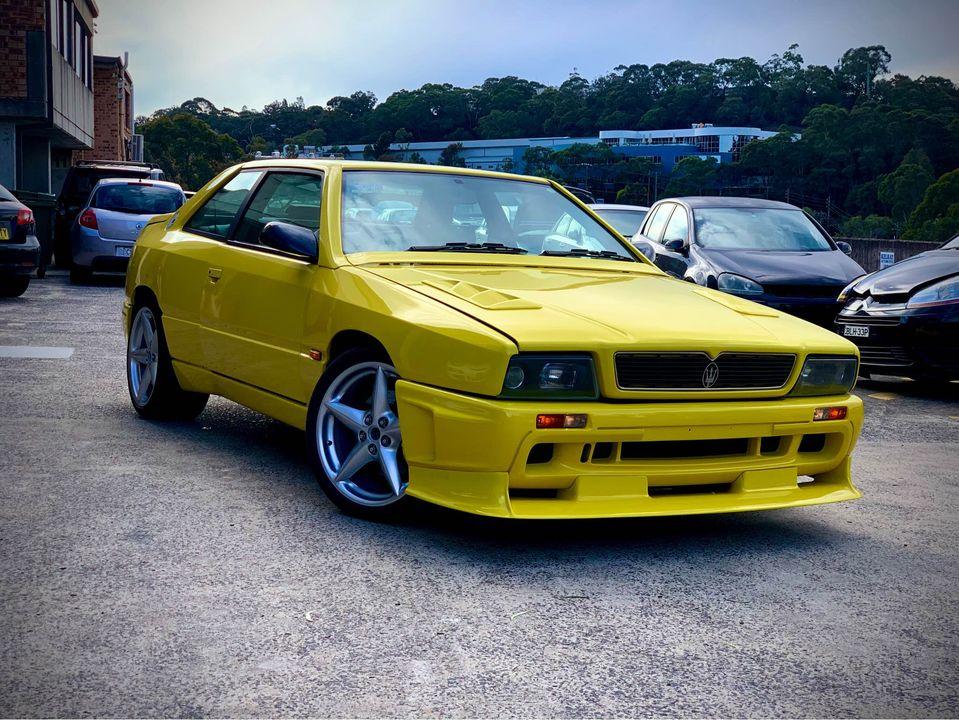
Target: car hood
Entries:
(907, 275)
(545, 308)
(786, 268)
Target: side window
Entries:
(654, 230)
(217, 215)
(285, 197)
(678, 226)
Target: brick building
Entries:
(46, 89)
(112, 111)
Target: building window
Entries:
(128, 110)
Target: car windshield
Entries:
(397, 211)
(138, 198)
(626, 222)
(757, 229)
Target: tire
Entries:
(14, 286)
(80, 275)
(352, 423)
(154, 390)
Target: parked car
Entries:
(905, 318)
(625, 219)
(768, 252)
(77, 186)
(110, 221)
(19, 247)
(515, 377)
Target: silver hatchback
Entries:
(103, 235)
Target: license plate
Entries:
(855, 331)
(124, 252)
(4, 233)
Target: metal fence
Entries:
(874, 254)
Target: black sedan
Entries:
(766, 251)
(19, 247)
(905, 318)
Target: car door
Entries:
(674, 261)
(257, 314)
(185, 291)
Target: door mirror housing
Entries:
(290, 238)
(645, 248)
(675, 245)
(844, 246)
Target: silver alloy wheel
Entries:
(143, 356)
(358, 435)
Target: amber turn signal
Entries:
(544, 422)
(829, 413)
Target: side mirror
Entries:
(675, 245)
(290, 238)
(645, 248)
(844, 246)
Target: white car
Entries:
(625, 219)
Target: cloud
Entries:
(246, 52)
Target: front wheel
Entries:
(154, 390)
(353, 436)
(14, 286)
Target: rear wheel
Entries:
(14, 286)
(353, 436)
(154, 390)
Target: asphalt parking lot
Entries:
(196, 569)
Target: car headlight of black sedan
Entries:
(945, 292)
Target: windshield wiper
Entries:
(486, 247)
(583, 252)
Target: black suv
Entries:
(76, 189)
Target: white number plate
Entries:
(855, 331)
(124, 251)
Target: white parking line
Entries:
(35, 351)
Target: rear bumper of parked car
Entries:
(90, 250)
(912, 344)
(19, 258)
(486, 456)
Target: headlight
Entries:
(826, 375)
(566, 377)
(942, 293)
(739, 285)
(844, 295)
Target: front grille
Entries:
(804, 291)
(888, 356)
(871, 320)
(687, 371)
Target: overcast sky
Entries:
(249, 52)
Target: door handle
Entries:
(214, 274)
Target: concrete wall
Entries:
(866, 251)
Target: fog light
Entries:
(829, 413)
(544, 422)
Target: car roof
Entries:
(119, 168)
(613, 206)
(144, 181)
(730, 202)
(331, 163)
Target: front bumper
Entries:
(90, 250)
(485, 456)
(912, 344)
(20, 258)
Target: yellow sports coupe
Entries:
(481, 341)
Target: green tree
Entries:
(937, 217)
(189, 151)
(872, 226)
(903, 189)
(693, 176)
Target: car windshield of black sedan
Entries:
(757, 229)
(396, 211)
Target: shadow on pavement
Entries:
(912, 388)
